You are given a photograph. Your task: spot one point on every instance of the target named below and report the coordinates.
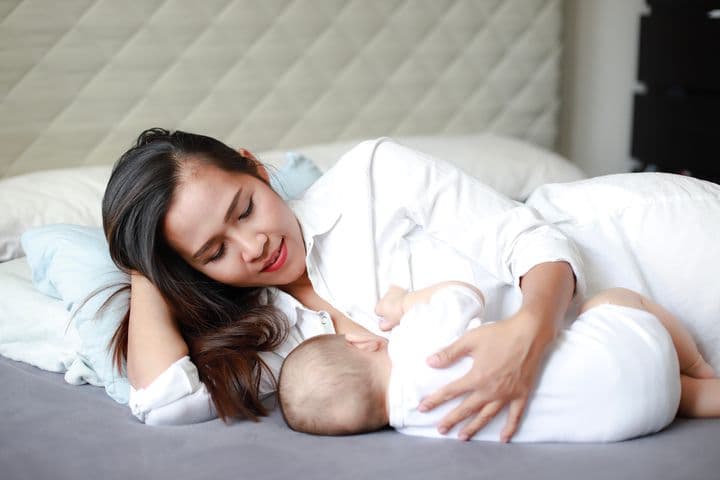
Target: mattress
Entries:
(49, 429)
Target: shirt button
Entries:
(324, 318)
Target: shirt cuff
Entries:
(537, 249)
(179, 381)
(194, 408)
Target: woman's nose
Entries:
(252, 245)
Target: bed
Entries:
(475, 82)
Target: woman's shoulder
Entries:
(358, 157)
(374, 168)
(345, 174)
(382, 158)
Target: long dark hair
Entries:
(225, 327)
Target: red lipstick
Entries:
(280, 258)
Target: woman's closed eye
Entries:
(221, 250)
(248, 210)
(218, 254)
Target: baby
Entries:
(346, 384)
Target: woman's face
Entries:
(234, 228)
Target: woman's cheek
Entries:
(216, 273)
(226, 275)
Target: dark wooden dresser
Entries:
(676, 118)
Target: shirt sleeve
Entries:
(458, 308)
(506, 237)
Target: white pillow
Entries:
(74, 195)
(70, 195)
(512, 167)
(652, 232)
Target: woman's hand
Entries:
(506, 359)
(506, 355)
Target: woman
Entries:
(204, 235)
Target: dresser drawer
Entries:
(678, 133)
(684, 4)
(680, 44)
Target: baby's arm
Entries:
(397, 301)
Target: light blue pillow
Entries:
(296, 176)
(71, 263)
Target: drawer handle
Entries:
(714, 14)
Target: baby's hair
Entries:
(326, 388)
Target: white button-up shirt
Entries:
(386, 214)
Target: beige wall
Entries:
(600, 70)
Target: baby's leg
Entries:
(700, 397)
(691, 362)
(611, 375)
(700, 391)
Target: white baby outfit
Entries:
(571, 402)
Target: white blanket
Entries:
(36, 329)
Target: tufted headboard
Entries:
(79, 79)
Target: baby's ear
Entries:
(367, 343)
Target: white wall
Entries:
(600, 63)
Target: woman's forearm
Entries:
(506, 354)
(547, 290)
(154, 342)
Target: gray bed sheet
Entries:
(50, 429)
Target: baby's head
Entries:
(335, 385)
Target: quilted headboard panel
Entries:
(79, 79)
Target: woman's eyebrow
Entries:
(232, 206)
(229, 212)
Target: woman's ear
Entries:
(367, 343)
(262, 171)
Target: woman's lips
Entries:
(281, 256)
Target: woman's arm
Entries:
(509, 240)
(506, 355)
(154, 342)
(166, 389)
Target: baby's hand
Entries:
(390, 308)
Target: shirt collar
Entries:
(315, 218)
(285, 302)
